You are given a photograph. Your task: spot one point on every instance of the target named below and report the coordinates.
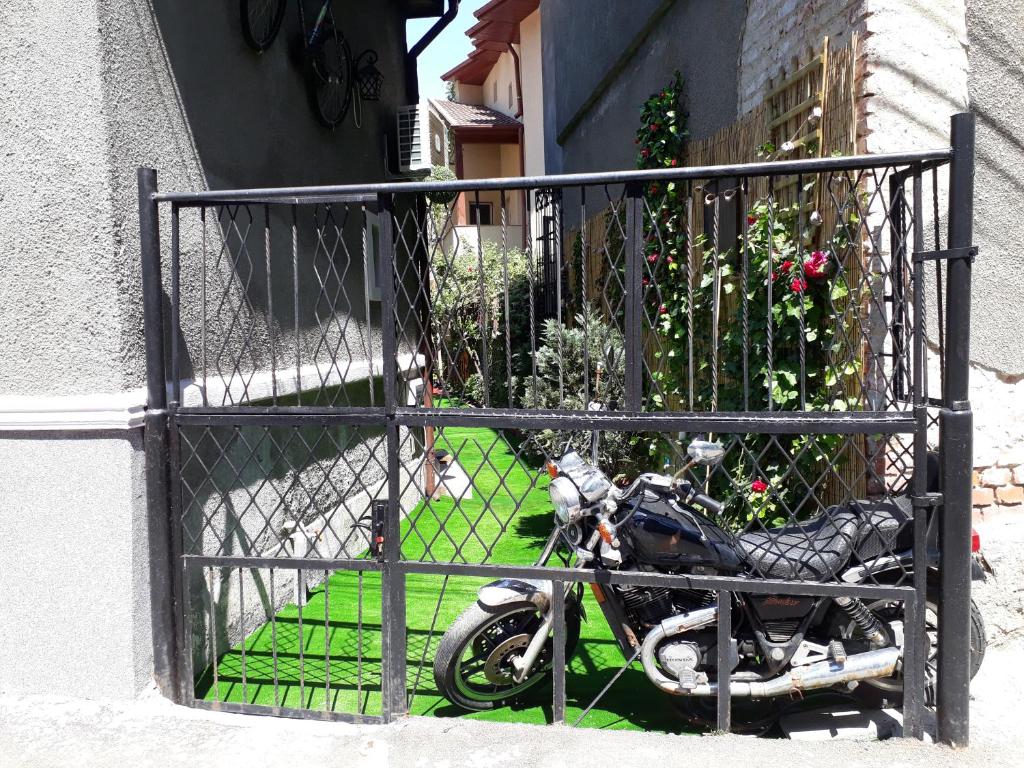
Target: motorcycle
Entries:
(782, 645)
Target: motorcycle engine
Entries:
(647, 606)
(680, 658)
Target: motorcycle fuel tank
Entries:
(663, 534)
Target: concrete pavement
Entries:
(44, 731)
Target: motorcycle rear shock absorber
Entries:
(865, 619)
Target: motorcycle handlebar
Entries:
(707, 502)
(695, 497)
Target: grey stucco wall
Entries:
(73, 129)
(60, 325)
(74, 616)
(85, 98)
(581, 39)
(995, 33)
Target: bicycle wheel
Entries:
(261, 21)
(330, 77)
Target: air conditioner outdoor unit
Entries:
(410, 139)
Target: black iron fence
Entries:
(354, 391)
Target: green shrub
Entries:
(462, 323)
(807, 304)
(574, 363)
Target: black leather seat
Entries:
(818, 548)
(813, 550)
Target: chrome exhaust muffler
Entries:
(880, 662)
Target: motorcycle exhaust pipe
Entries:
(824, 674)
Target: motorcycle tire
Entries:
(889, 692)
(506, 634)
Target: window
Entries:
(371, 253)
(480, 213)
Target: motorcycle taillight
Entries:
(975, 541)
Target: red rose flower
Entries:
(799, 285)
(775, 275)
(674, 162)
(653, 258)
(646, 282)
(663, 310)
(759, 486)
(670, 260)
(816, 265)
(787, 265)
(654, 127)
(751, 220)
(645, 152)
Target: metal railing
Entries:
(324, 346)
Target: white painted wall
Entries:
(496, 88)
(530, 56)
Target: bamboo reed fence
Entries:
(810, 109)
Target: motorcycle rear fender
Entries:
(897, 564)
(506, 591)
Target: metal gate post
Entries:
(633, 330)
(393, 682)
(162, 565)
(956, 424)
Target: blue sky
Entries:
(450, 47)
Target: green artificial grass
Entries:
(334, 662)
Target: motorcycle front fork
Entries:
(609, 607)
(524, 664)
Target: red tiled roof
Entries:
(459, 115)
(498, 26)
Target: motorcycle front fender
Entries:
(506, 591)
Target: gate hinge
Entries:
(966, 252)
(926, 500)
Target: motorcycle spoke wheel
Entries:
(473, 665)
(484, 673)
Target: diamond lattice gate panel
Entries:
(365, 392)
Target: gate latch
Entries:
(378, 511)
(966, 252)
(926, 501)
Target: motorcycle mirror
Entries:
(705, 453)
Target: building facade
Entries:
(494, 123)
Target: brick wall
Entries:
(1000, 488)
(778, 31)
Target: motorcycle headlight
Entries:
(565, 498)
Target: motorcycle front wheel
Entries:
(473, 665)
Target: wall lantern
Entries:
(369, 80)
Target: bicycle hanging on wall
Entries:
(326, 55)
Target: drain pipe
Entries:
(519, 80)
(412, 83)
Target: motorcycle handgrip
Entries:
(707, 502)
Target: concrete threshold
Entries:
(46, 731)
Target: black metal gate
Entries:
(353, 391)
